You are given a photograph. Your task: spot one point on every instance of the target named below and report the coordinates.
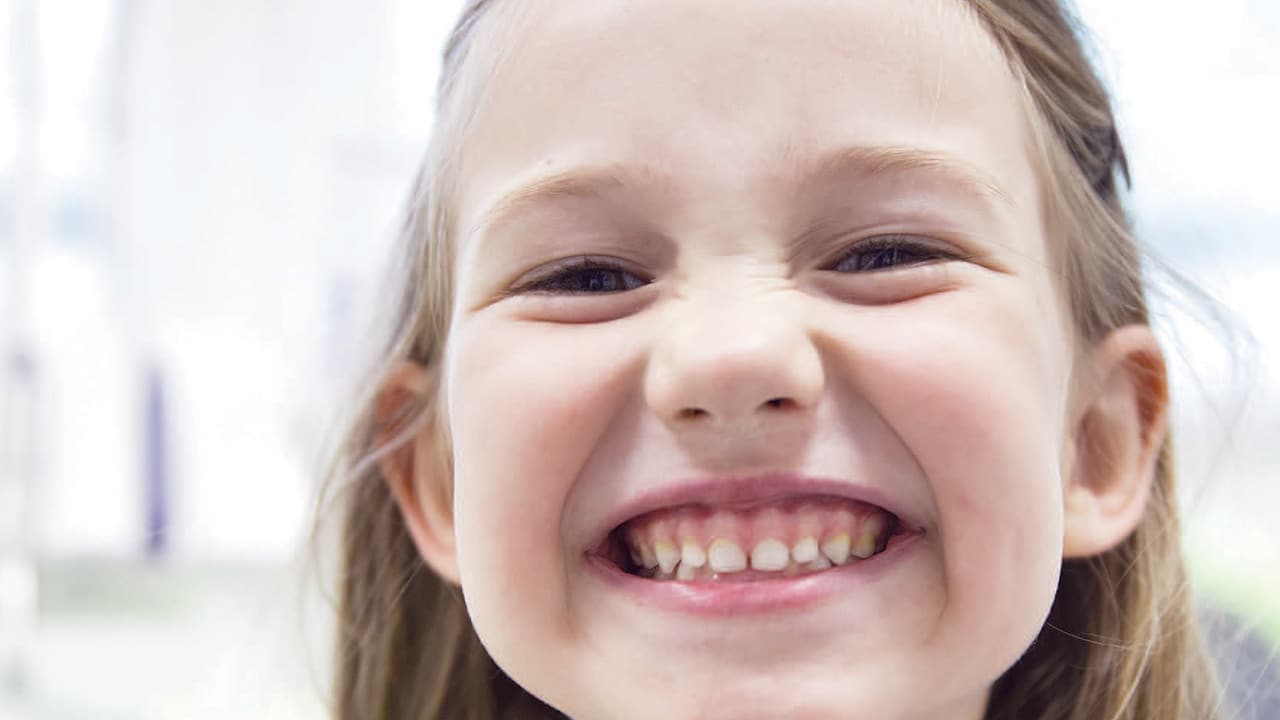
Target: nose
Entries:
(726, 364)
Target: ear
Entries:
(417, 469)
(1121, 425)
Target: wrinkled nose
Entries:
(728, 364)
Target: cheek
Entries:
(527, 403)
(975, 391)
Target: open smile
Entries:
(797, 536)
(750, 548)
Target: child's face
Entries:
(824, 259)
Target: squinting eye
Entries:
(584, 276)
(887, 252)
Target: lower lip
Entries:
(757, 597)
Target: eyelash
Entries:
(553, 282)
(887, 252)
(873, 255)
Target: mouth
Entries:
(776, 538)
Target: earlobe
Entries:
(415, 465)
(1117, 439)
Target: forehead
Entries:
(704, 101)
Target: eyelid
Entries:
(942, 249)
(529, 282)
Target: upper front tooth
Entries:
(725, 556)
(667, 554)
(806, 550)
(692, 554)
(836, 548)
(771, 555)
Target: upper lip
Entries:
(743, 492)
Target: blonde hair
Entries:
(1121, 640)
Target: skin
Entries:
(943, 380)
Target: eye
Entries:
(888, 252)
(583, 276)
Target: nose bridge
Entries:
(729, 357)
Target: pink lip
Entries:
(719, 599)
(743, 493)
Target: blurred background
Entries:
(196, 200)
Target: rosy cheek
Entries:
(973, 391)
(528, 403)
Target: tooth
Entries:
(770, 555)
(819, 563)
(806, 550)
(667, 554)
(647, 558)
(871, 529)
(636, 559)
(865, 547)
(725, 556)
(692, 554)
(836, 548)
(686, 572)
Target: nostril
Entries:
(776, 403)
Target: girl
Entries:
(787, 360)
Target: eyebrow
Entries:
(584, 183)
(595, 181)
(895, 159)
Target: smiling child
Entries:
(767, 360)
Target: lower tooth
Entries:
(819, 563)
(685, 572)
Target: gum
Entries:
(787, 522)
